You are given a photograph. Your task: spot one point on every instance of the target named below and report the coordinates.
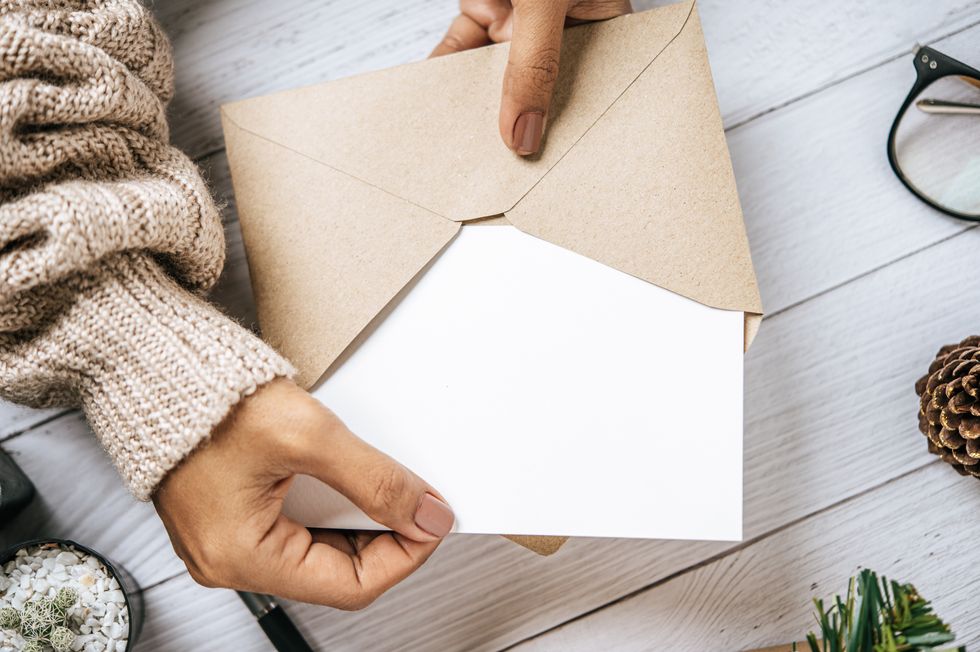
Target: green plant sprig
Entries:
(879, 616)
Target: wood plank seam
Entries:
(233, 219)
(70, 412)
(843, 79)
(871, 271)
(693, 567)
(39, 424)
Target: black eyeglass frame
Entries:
(925, 75)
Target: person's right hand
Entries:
(535, 27)
(222, 506)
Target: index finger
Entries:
(532, 69)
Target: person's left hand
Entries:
(532, 67)
(222, 506)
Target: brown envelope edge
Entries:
(544, 546)
(267, 242)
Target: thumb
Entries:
(381, 487)
(532, 68)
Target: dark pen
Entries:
(275, 623)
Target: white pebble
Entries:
(113, 596)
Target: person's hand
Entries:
(535, 26)
(222, 506)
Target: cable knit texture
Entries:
(108, 240)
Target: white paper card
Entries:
(542, 392)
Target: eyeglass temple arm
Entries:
(947, 108)
(951, 108)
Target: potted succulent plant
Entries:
(57, 595)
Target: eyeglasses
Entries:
(934, 142)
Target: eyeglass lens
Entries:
(937, 144)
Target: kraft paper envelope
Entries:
(349, 192)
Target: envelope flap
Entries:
(650, 190)
(427, 132)
(326, 252)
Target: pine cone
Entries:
(949, 405)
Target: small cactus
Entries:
(9, 618)
(43, 621)
(65, 598)
(38, 619)
(62, 638)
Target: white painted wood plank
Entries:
(804, 239)
(230, 50)
(81, 497)
(183, 616)
(763, 53)
(17, 418)
(829, 384)
(517, 594)
(476, 593)
(821, 204)
(829, 389)
(811, 350)
(760, 595)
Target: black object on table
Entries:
(15, 489)
(275, 623)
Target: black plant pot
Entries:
(15, 489)
(131, 590)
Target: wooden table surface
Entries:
(861, 284)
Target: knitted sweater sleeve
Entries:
(109, 239)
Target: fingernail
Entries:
(434, 516)
(527, 133)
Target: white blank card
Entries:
(542, 392)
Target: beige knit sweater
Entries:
(108, 239)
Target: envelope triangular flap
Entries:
(427, 132)
(326, 252)
(650, 190)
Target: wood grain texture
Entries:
(815, 416)
(15, 418)
(764, 53)
(760, 595)
(821, 204)
(828, 382)
(757, 596)
(229, 50)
